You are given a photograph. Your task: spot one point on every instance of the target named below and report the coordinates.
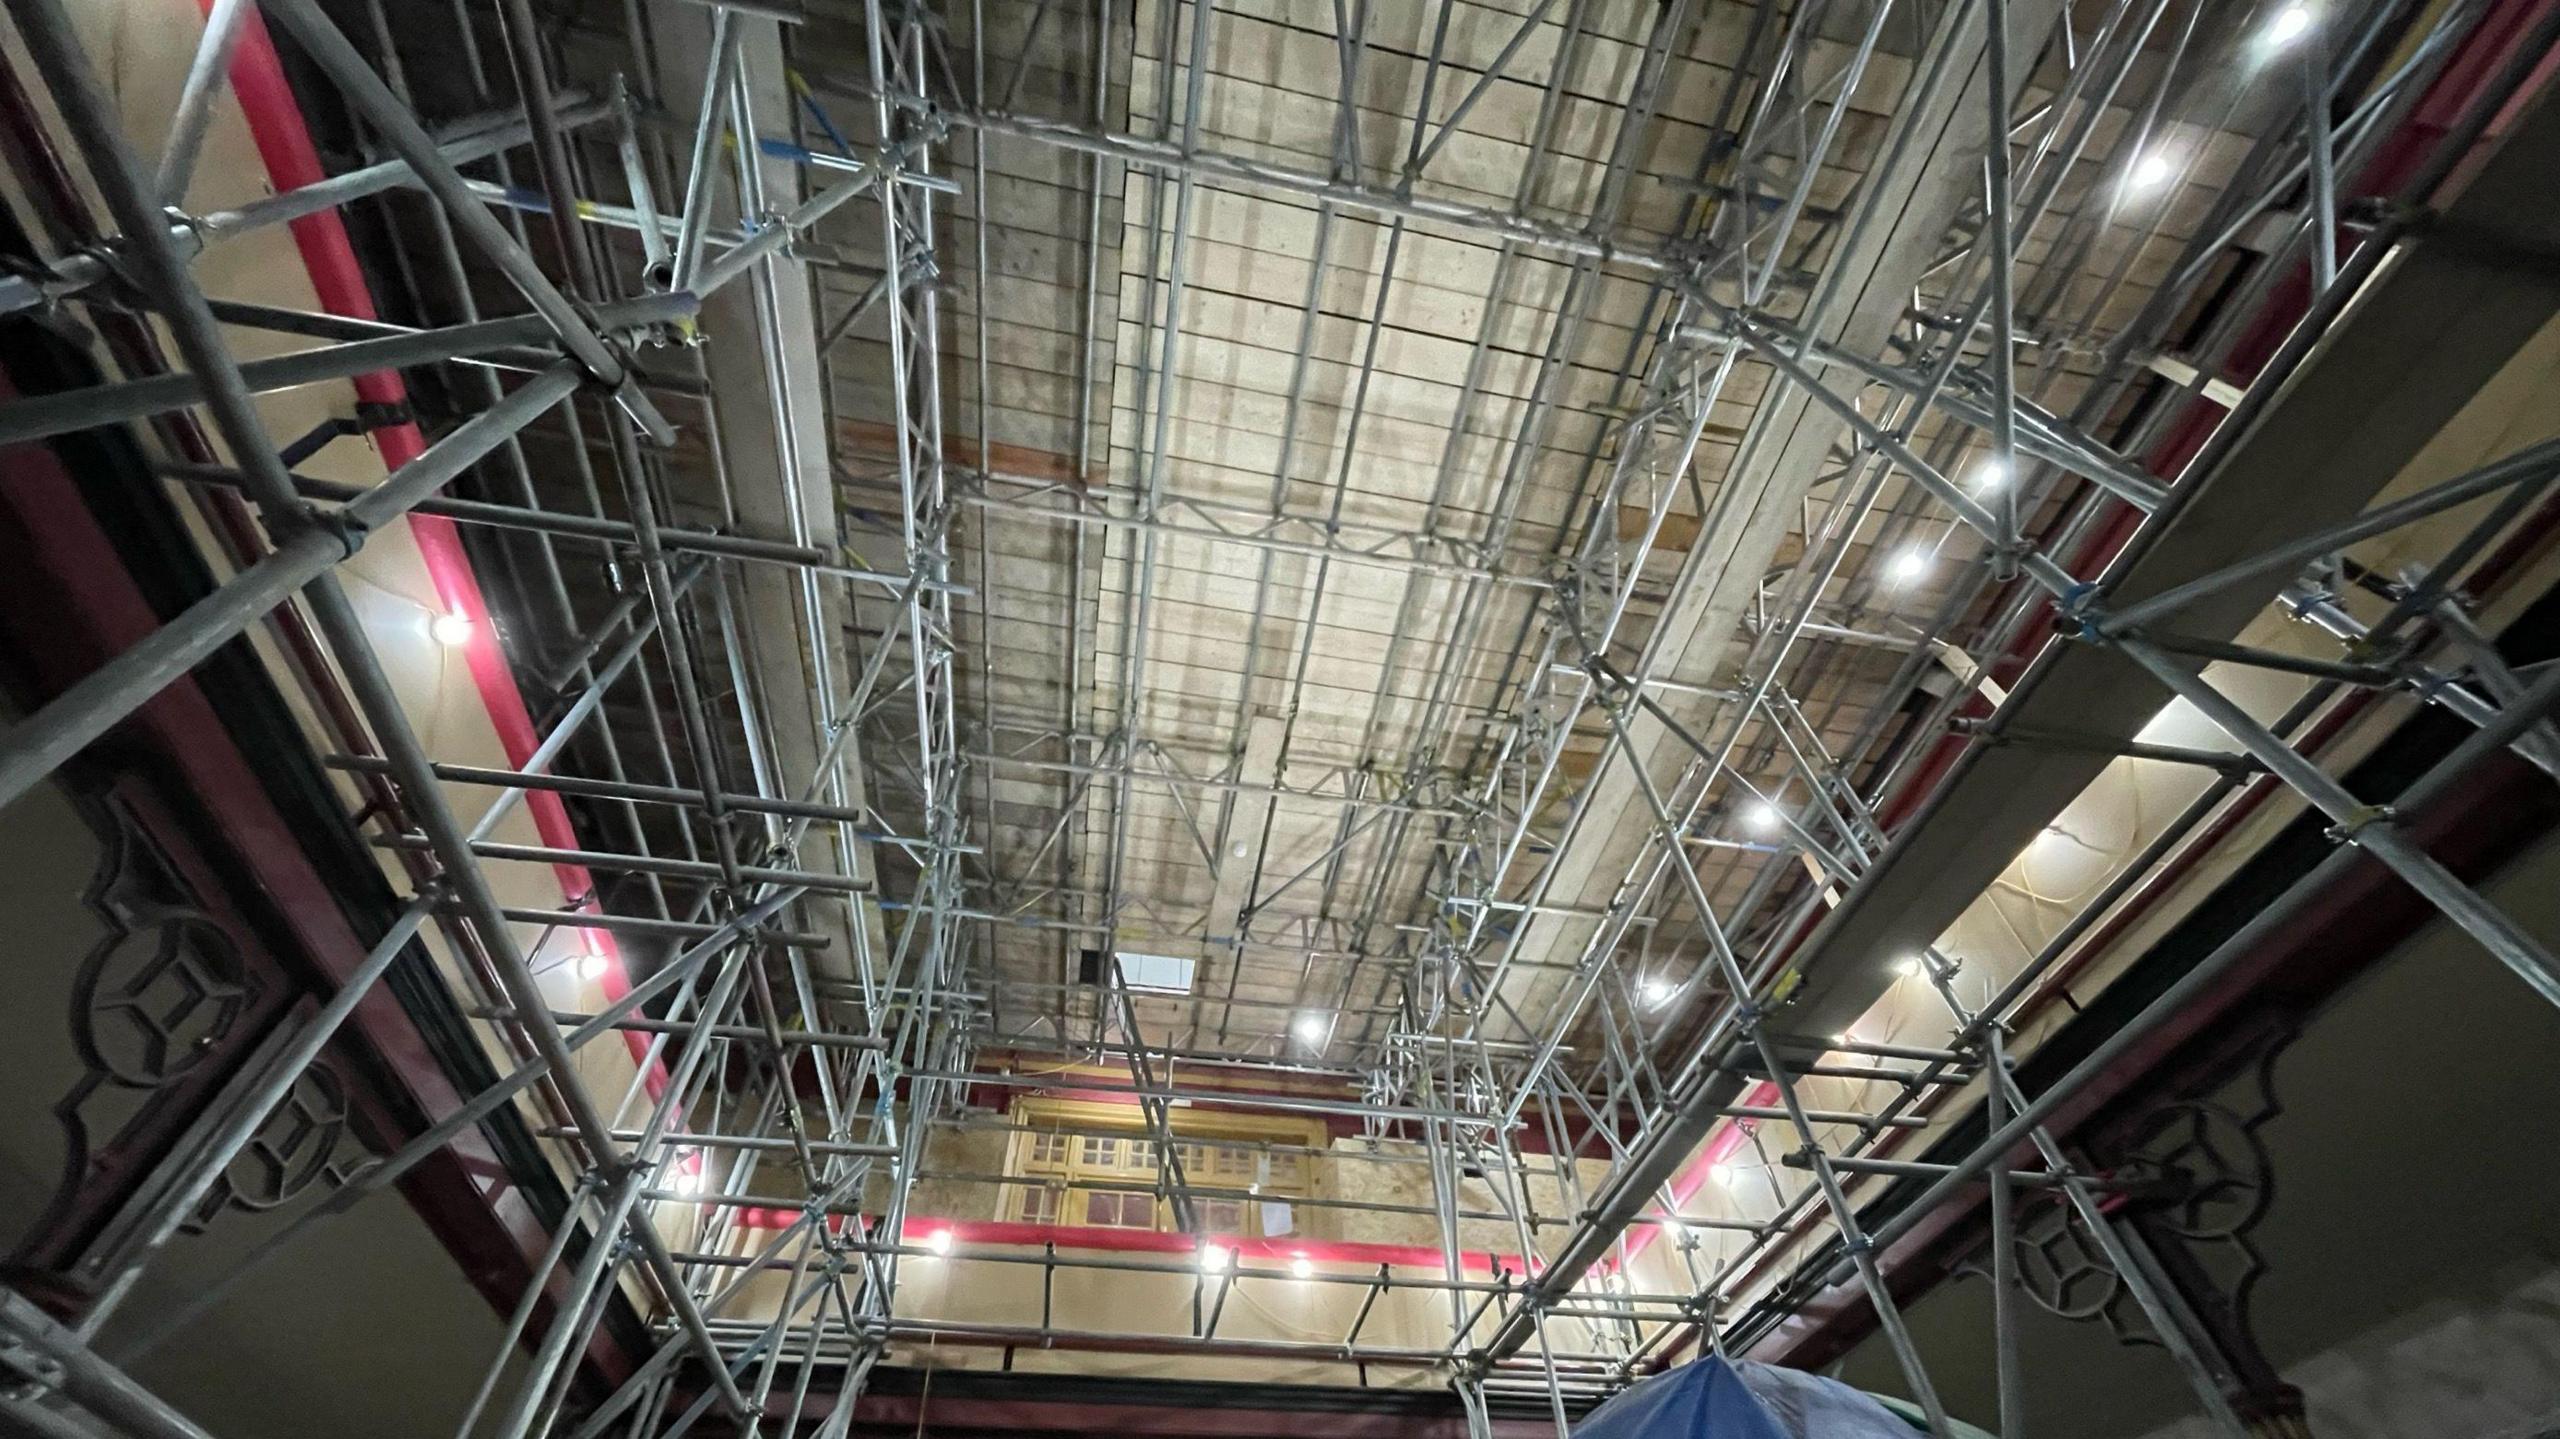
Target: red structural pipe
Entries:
(84, 605)
(284, 144)
(921, 1230)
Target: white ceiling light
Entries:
(1302, 1268)
(2150, 172)
(1909, 964)
(1762, 818)
(1720, 1172)
(1656, 991)
(2288, 25)
(1907, 566)
(1214, 1259)
(1309, 1028)
(591, 965)
(451, 629)
(939, 1241)
(1989, 476)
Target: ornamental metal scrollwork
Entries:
(159, 991)
(2227, 1179)
(2223, 1183)
(2198, 1180)
(163, 997)
(2061, 1265)
(165, 986)
(296, 1148)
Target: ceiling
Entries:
(1387, 512)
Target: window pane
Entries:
(1142, 1154)
(1160, 973)
(1121, 1211)
(1098, 1150)
(1040, 1206)
(1220, 1216)
(1048, 1149)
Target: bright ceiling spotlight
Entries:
(1907, 966)
(1214, 1259)
(1907, 566)
(1720, 1172)
(1656, 991)
(590, 962)
(1989, 476)
(451, 629)
(2289, 25)
(1844, 1039)
(939, 1241)
(1762, 818)
(1302, 1268)
(689, 1174)
(2151, 172)
(1309, 1028)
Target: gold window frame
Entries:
(1086, 1149)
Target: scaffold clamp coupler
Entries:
(347, 527)
(2075, 615)
(2349, 829)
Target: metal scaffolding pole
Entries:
(1513, 991)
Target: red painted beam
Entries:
(68, 603)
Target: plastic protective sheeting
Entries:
(1718, 1398)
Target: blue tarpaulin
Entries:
(1719, 1398)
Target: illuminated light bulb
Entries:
(689, 1172)
(1907, 965)
(1214, 1259)
(1302, 1268)
(1844, 1039)
(1310, 1028)
(1907, 566)
(1989, 476)
(939, 1241)
(1656, 992)
(451, 630)
(1720, 1172)
(1762, 818)
(2288, 25)
(2150, 172)
(591, 966)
